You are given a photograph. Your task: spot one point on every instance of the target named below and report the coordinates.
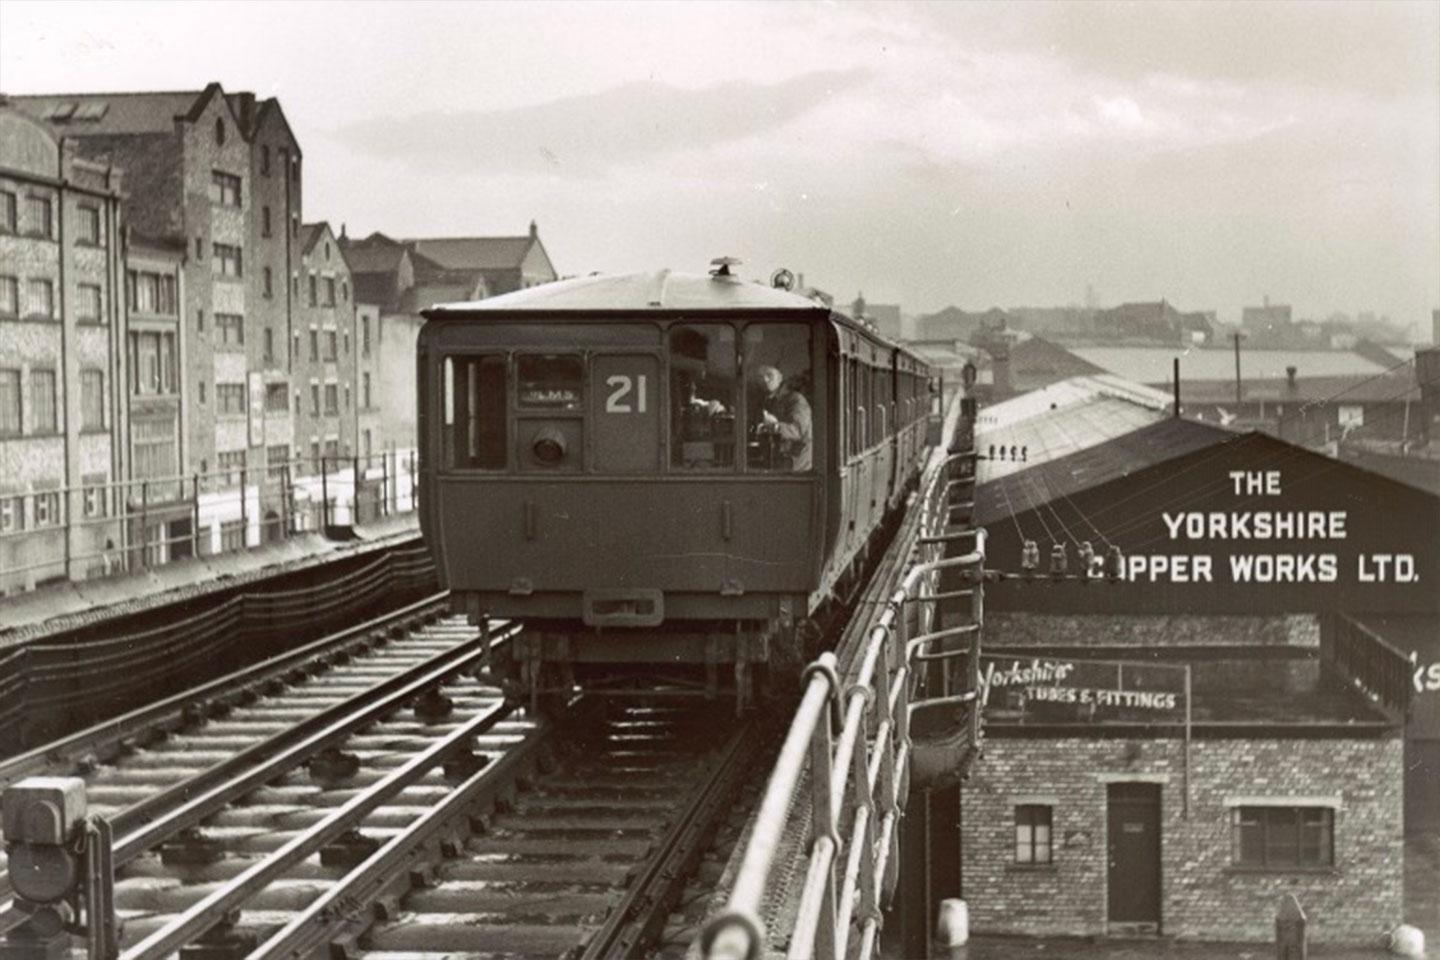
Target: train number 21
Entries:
(622, 385)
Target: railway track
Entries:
(374, 795)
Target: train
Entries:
(671, 480)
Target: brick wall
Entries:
(1203, 895)
(1148, 630)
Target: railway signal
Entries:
(60, 866)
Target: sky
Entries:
(985, 155)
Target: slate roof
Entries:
(475, 253)
(1154, 364)
(1396, 386)
(119, 113)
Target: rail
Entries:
(856, 747)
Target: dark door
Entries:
(1134, 853)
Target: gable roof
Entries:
(475, 253)
(110, 113)
(310, 234)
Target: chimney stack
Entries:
(1290, 378)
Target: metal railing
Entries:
(857, 747)
(104, 529)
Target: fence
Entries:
(67, 682)
(860, 747)
(97, 530)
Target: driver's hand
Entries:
(770, 420)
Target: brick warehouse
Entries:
(1293, 776)
(62, 359)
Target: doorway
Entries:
(1134, 857)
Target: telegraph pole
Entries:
(1236, 337)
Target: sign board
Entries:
(1046, 689)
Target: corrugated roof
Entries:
(93, 114)
(475, 253)
(1105, 447)
(1154, 364)
(639, 292)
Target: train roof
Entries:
(639, 292)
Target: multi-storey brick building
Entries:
(62, 358)
(323, 344)
(217, 175)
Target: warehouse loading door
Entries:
(1134, 854)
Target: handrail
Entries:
(859, 775)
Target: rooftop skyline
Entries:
(926, 154)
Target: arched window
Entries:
(219, 130)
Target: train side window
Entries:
(704, 389)
(475, 416)
(779, 393)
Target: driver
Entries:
(786, 414)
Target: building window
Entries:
(230, 398)
(315, 455)
(88, 303)
(265, 221)
(39, 217)
(269, 283)
(219, 130)
(1032, 833)
(152, 363)
(230, 329)
(314, 291)
(89, 226)
(269, 345)
(332, 399)
(9, 297)
(315, 399)
(10, 404)
(347, 396)
(42, 401)
(345, 292)
(47, 509)
(227, 261)
(331, 342)
(1275, 838)
(295, 227)
(8, 208)
(314, 346)
(365, 390)
(40, 299)
(347, 343)
(365, 438)
(332, 449)
(12, 514)
(153, 444)
(92, 399)
(329, 291)
(230, 464)
(365, 336)
(153, 293)
(202, 398)
(277, 398)
(199, 248)
(276, 459)
(232, 535)
(200, 319)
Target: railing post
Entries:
(324, 497)
(384, 484)
(195, 515)
(823, 825)
(355, 491)
(244, 514)
(144, 523)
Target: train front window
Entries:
(779, 391)
(549, 382)
(474, 427)
(703, 396)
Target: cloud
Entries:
(586, 135)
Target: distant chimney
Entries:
(534, 230)
(1290, 378)
(859, 306)
(343, 238)
(247, 111)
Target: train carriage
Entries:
(665, 477)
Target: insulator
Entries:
(1014, 453)
(992, 451)
(1025, 454)
(1030, 556)
(1087, 559)
(1059, 560)
(1115, 563)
